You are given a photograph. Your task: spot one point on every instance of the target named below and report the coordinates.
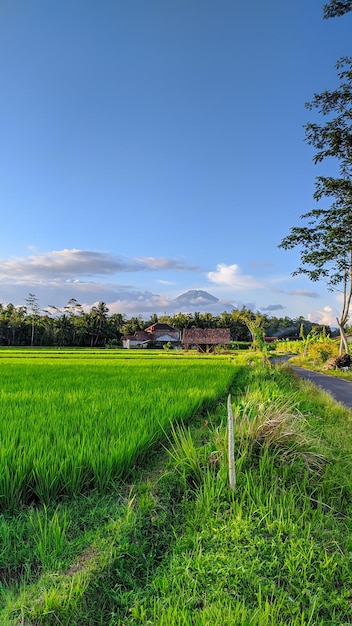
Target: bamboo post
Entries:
(231, 448)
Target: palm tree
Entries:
(115, 324)
(100, 315)
(63, 326)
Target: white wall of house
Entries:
(132, 343)
(167, 338)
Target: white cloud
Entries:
(140, 303)
(325, 316)
(306, 293)
(165, 282)
(72, 264)
(62, 263)
(272, 307)
(230, 276)
(155, 263)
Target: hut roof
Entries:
(141, 335)
(158, 326)
(206, 336)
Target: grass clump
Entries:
(276, 425)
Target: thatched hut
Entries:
(205, 339)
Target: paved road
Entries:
(340, 389)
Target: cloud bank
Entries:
(72, 264)
(91, 276)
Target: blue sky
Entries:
(153, 147)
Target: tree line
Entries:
(30, 325)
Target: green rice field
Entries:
(73, 420)
(116, 503)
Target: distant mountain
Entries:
(196, 297)
(201, 301)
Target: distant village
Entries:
(160, 335)
(73, 326)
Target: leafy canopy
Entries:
(335, 8)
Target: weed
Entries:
(277, 425)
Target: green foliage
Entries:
(291, 347)
(240, 345)
(264, 555)
(321, 351)
(50, 535)
(185, 455)
(316, 348)
(337, 8)
(324, 240)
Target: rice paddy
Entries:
(71, 421)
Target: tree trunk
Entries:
(32, 333)
(343, 339)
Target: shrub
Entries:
(323, 350)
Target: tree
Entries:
(333, 138)
(99, 316)
(46, 328)
(234, 321)
(326, 240)
(63, 328)
(132, 325)
(326, 251)
(153, 320)
(32, 303)
(75, 312)
(255, 324)
(115, 324)
(180, 320)
(16, 320)
(335, 8)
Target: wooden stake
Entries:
(231, 447)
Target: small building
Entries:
(157, 334)
(164, 332)
(138, 340)
(205, 339)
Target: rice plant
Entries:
(184, 454)
(50, 534)
(72, 423)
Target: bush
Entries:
(323, 350)
(240, 345)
